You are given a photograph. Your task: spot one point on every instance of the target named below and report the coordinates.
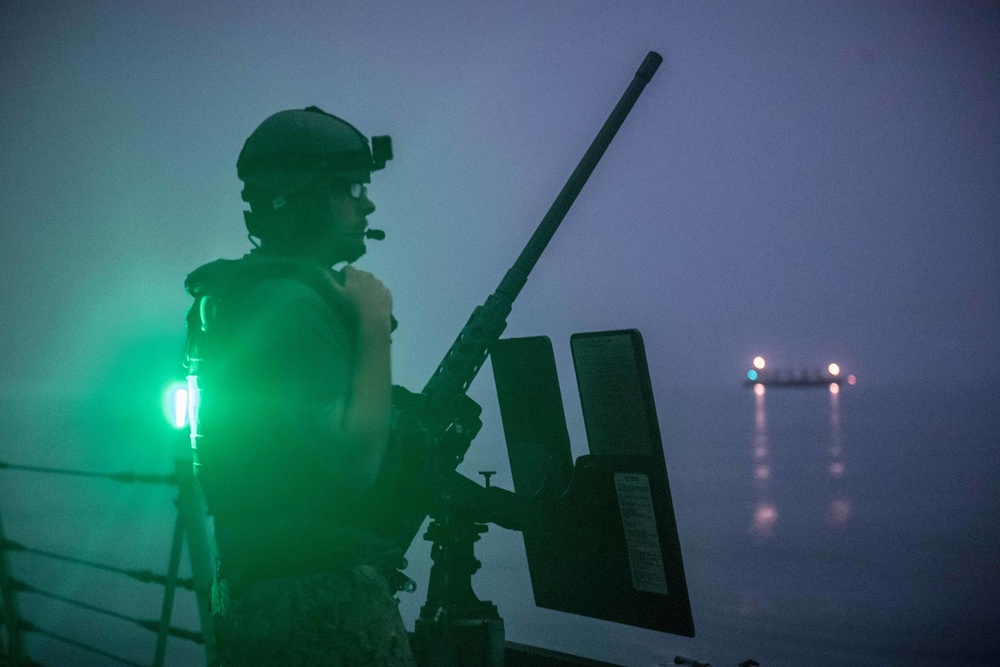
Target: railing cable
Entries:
(145, 576)
(150, 625)
(128, 477)
(30, 627)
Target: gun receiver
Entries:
(442, 416)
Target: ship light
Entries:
(834, 369)
(752, 375)
(759, 363)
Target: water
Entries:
(856, 529)
(817, 529)
(859, 528)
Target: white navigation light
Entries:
(834, 369)
(758, 363)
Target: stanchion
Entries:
(190, 525)
(12, 649)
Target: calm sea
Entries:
(857, 528)
(817, 529)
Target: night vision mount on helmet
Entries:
(293, 149)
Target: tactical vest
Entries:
(219, 290)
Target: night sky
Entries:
(812, 182)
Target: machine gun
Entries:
(600, 536)
(434, 429)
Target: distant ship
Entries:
(830, 377)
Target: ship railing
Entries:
(189, 527)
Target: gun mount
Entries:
(600, 535)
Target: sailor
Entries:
(292, 364)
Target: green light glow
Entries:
(194, 400)
(752, 375)
(175, 404)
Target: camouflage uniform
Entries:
(347, 618)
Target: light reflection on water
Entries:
(840, 505)
(765, 511)
(872, 540)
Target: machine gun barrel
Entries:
(517, 276)
(442, 420)
(468, 353)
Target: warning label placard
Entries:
(641, 537)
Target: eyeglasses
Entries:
(357, 190)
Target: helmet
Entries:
(294, 148)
